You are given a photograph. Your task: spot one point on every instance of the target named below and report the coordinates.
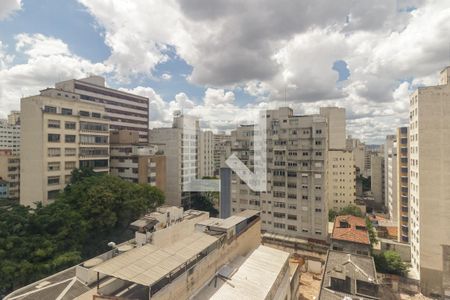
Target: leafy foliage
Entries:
(390, 262)
(92, 210)
(372, 234)
(204, 202)
(348, 210)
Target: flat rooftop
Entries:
(252, 276)
(148, 264)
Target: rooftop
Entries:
(351, 229)
(348, 275)
(146, 265)
(252, 276)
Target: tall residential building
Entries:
(180, 148)
(429, 186)
(391, 177)
(222, 150)
(377, 179)
(341, 179)
(336, 126)
(295, 203)
(206, 154)
(10, 136)
(403, 184)
(359, 153)
(14, 117)
(136, 162)
(10, 172)
(126, 111)
(386, 149)
(58, 134)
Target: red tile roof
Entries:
(350, 234)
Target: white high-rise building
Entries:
(391, 178)
(403, 184)
(10, 134)
(180, 146)
(430, 186)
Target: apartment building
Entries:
(222, 150)
(126, 111)
(359, 153)
(136, 162)
(341, 179)
(385, 151)
(377, 179)
(10, 172)
(403, 184)
(206, 154)
(180, 147)
(14, 117)
(429, 194)
(295, 203)
(10, 136)
(59, 133)
(391, 178)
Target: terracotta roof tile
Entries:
(350, 234)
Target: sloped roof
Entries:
(350, 233)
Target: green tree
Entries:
(348, 210)
(92, 211)
(390, 262)
(372, 233)
(204, 203)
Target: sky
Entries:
(224, 58)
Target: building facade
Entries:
(359, 153)
(126, 111)
(10, 172)
(429, 194)
(403, 184)
(391, 178)
(377, 179)
(295, 203)
(136, 162)
(180, 148)
(10, 136)
(341, 179)
(59, 133)
(222, 150)
(206, 154)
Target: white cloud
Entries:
(166, 76)
(47, 60)
(7, 7)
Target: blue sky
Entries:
(232, 54)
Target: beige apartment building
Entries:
(58, 134)
(359, 152)
(429, 146)
(222, 150)
(10, 136)
(341, 179)
(206, 154)
(403, 184)
(295, 203)
(377, 178)
(136, 162)
(10, 172)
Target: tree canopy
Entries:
(92, 211)
(390, 262)
(348, 210)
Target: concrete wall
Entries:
(191, 281)
(350, 247)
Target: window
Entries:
(52, 194)
(96, 115)
(53, 180)
(50, 109)
(70, 125)
(53, 166)
(292, 217)
(53, 138)
(279, 225)
(69, 165)
(279, 204)
(84, 113)
(69, 138)
(279, 215)
(292, 227)
(70, 151)
(53, 124)
(292, 206)
(53, 152)
(87, 126)
(318, 210)
(318, 131)
(66, 111)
